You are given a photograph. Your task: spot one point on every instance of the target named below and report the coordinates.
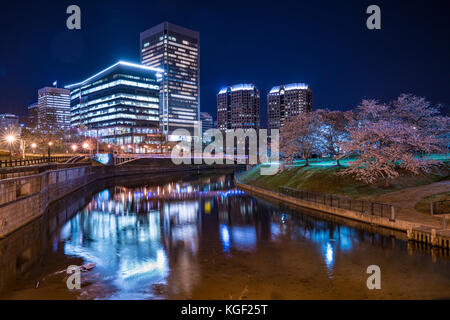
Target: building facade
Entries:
(286, 101)
(32, 118)
(238, 107)
(119, 105)
(207, 123)
(176, 50)
(53, 109)
(8, 120)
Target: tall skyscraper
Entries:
(238, 107)
(53, 110)
(120, 104)
(176, 50)
(287, 100)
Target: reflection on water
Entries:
(201, 238)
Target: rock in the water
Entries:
(88, 267)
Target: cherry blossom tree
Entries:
(299, 136)
(390, 138)
(424, 118)
(333, 131)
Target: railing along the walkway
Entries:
(31, 161)
(440, 207)
(363, 206)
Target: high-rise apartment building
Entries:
(176, 50)
(120, 104)
(287, 100)
(53, 109)
(238, 107)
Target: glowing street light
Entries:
(74, 147)
(48, 150)
(10, 140)
(33, 146)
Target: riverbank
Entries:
(325, 179)
(419, 226)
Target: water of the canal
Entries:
(197, 237)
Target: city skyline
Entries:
(313, 164)
(356, 68)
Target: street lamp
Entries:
(86, 146)
(74, 148)
(33, 146)
(48, 150)
(10, 140)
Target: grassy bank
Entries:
(326, 180)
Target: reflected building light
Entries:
(328, 253)
(275, 230)
(159, 265)
(208, 207)
(182, 212)
(225, 237)
(243, 237)
(186, 234)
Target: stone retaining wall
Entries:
(23, 199)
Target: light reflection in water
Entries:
(133, 234)
(152, 241)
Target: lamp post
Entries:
(10, 140)
(48, 150)
(33, 147)
(85, 146)
(74, 148)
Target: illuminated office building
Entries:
(53, 109)
(286, 101)
(238, 107)
(207, 123)
(120, 104)
(8, 120)
(176, 50)
(32, 118)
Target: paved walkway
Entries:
(405, 200)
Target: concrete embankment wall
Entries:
(23, 199)
(354, 215)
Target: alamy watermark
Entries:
(73, 282)
(239, 146)
(73, 22)
(374, 20)
(374, 281)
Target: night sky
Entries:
(323, 43)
